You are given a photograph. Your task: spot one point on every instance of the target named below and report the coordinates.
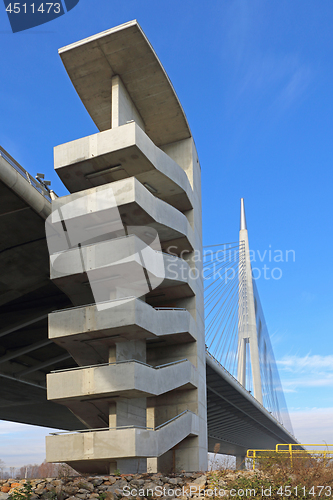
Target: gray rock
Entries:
(118, 485)
(85, 485)
(110, 496)
(71, 490)
(149, 485)
(172, 480)
(201, 480)
(97, 481)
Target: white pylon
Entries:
(247, 327)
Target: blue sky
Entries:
(255, 80)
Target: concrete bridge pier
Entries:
(137, 331)
(240, 462)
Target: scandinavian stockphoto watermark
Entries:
(227, 263)
(25, 15)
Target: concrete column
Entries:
(126, 411)
(240, 462)
(123, 109)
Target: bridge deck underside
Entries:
(26, 297)
(235, 422)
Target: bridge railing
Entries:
(292, 451)
(44, 192)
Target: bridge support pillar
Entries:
(138, 295)
(240, 462)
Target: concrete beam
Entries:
(25, 350)
(18, 325)
(21, 186)
(43, 364)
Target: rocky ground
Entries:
(122, 487)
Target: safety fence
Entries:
(292, 452)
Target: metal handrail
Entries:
(119, 362)
(96, 304)
(172, 419)
(121, 299)
(80, 431)
(100, 429)
(24, 173)
(170, 308)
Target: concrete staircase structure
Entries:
(121, 248)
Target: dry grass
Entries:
(305, 477)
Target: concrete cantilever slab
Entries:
(125, 51)
(129, 379)
(136, 206)
(125, 266)
(85, 332)
(126, 443)
(132, 153)
(130, 320)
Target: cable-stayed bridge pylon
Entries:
(236, 330)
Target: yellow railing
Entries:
(292, 450)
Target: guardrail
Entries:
(293, 451)
(9, 159)
(122, 361)
(119, 427)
